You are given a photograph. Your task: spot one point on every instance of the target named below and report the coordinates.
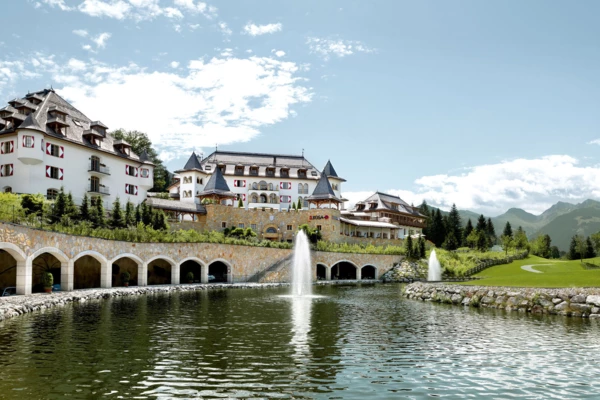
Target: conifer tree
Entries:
(70, 207)
(507, 230)
(467, 231)
(240, 203)
(84, 210)
(100, 214)
(408, 247)
(481, 224)
(491, 232)
(138, 214)
(129, 214)
(299, 205)
(589, 251)
(60, 206)
(450, 243)
(421, 247)
(454, 224)
(521, 241)
(146, 214)
(438, 230)
(117, 220)
(573, 253)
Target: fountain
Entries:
(435, 270)
(301, 268)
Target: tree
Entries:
(314, 235)
(421, 246)
(554, 252)
(573, 252)
(595, 237)
(491, 232)
(146, 214)
(454, 225)
(541, 246)
(138, 214)
(481, 224)
(589, 248)
(32, 204)
(408, 247)
(101, 218)
(117, 220)
(424, 209)
(450, 243)
(60, 206)
(299, 205)
(483, 242)
(240, 203)
(129, 214)
(84, 209)
(140, 142)
(437, 230)
(472, 239)
(294, 206)
(521, 241)
(507, 242)
(159, 220)
(507, 230)
(581, 246)
(467, 231)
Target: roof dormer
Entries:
(57, 120)
(123, 147)
(99, 127)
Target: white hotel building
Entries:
(46, 143)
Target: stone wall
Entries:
(574, 302)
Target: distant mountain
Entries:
(561, 221)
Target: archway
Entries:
(218, 272)
(159, 272)
(321, 272)
(192, 267)
(125, 264)
(87, 272)
(8, 272)
(343, 270)
(41, 264)
(368, 272)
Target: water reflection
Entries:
(301, 312)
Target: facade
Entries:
(46, 144)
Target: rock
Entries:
(580, 298)
(466, 301)
(487, 300)
(512, 301)
(595, 310)
(545, 303)
(556, 300)
(500, 299)
(537, 309)
(593, 299)
(561, 307)
(456, 298)
(582, 308)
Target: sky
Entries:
(486, 105)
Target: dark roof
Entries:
(32, 124)
(323, 191)
(258, 159)
(144, 156)
(217, 185)
(390, 203)
(51, 100)
(192, 164)
(330, 171)
(174, 205)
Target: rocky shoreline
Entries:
(572, 302)
(13, 306)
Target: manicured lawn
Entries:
(556, 273)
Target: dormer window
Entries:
(284, 172)
(208, 167)
(239, 170)
(301, 173)
(222, 167)
(57, 120)
(254, 171)
(123, 147)
(270, 171)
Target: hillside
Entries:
(583, 221)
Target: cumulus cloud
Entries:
(174, 64)
(595, 141)
(101, 40)
(257, 30)
(80, 32)
(278, 53)
(531, 184)
(326, 48)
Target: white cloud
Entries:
(117, 9)
(80, 32)
(174, 64)
(197, 7)
(88, 48)
(257, 30)
(55, 3)
(101, 40)
(325, 48)
(224, 28)
(222, 100)
(595, 141)
(531, 184)
(278, 53)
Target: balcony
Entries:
(104, 190)
(101, 169)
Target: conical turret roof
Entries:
(193, 164)
(323, 191)
(217, 185)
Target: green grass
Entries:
(557, 273)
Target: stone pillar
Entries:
(229, 274)
(143, 274)
(327, 273)
(204, 274)
(376, 273)
(105, 275)
(358, 273)
(24, 276)
(175, 274)
(67, 278)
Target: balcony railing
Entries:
(98, 189)
(93, 167)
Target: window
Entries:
(270, 171)
(255, 186)
(7, 189)
(240, 225)
(95, 184)
(95, 163)
(285, 185)
(314, 173)
(239, 170)
(301, 173)
(284, 172)
(254, 198)
(254, 171)
(263, 185)
(8, 147)
(54, 173)
(285, 199)
(187, 179)
(239, 183)
(319, 227)
(303, 188)
(305, 203)
(271, 230)
(51, 194)
(187, 193)
(253, 227)
(131, 189)
(290, 227)
(6, 170)
(77, 123)
(223, 168)
(199, 181)
(53, 150)
(28, 141)
(131, 170)
(273, 198)
(223, 224)
(208, 167)
(334, 186)
(145, 173)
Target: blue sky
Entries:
(486, 105)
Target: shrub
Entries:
(47, 280)
(125, 276)
(189, 277)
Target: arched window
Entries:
(305, 203)
(95, 166)
(263, 198)
(300, 188)
(51, 194)
(273, 198)
(254, 198)
(263, 185)
(270, 186)
(254, 186)
(271, 230)
(7, 189)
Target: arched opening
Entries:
(86, 273)
(159, 272)
(8, 273)
(263, 185)
(122, 265)
(271, 230)
(43, 263)
(254, 198)
(7, 189)
(95, 163)
(273, 198)
(343, 270)
(190, 269)
(321, 272)
(368, 272)
(263, 198)
(217, 272)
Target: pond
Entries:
(353, 343)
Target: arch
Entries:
(322, 272)
(195, 266)
(82, 279)
(60, 256)
(127, 262)
(219, 270)
(344, 269)
(263, 198)
(263, 185)
(271, 186)
(271, 229)
(14, 251)
(40, 265)
(94, 254)
(253, 198)
(273, 198)
(167, 259)
(160, 270)
(368, 272)
(254, 186)
(9, 266)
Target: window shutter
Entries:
(48, 148)
(24, 141)
(281, 199)
(61, 152)
(244, 196)
(136, 172)
(136, 190)
(48, 169)
(126, 169)
(2, 148)
(10, 169)
(289, 185)
(244, 186)
(235, 183)
(280, 185)
(60, 174)
(12, 146)
(1, 170)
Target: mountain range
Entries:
(561, 221)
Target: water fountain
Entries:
(301, 276)
(435, 270)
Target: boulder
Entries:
(561, 306)
(593, 299)
(579, 298)
(582, 308)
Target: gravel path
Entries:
(529, 268)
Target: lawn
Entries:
(555, 273)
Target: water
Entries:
(301, 268)
(434, 272)
(352, 343)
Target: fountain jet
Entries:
(301, 268)
(434, 272)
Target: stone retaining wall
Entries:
(573, 302)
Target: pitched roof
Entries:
(390, 202)
(32, 124)
(192, 164)
(330, 171)
(173, 205)
(217, 185)
(323, 190)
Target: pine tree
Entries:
(450, 243)
(438, 230)
(467, 231)
(299, 205)
(589, 251)
(408, 247)
(482, 240)
(100, 214)
(454, 224)
(421, 247)
(426, 211)
(481, 224)
(146, 214)
(521, 241)
(84, 210)
(138, 214)
(117, 220)
(491, 232)
(129, 214)
(60, 206)
(294, 206)
(240, 203)
(507, 230)
(70, 207)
